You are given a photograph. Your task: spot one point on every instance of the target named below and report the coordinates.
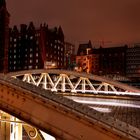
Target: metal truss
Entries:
(72, 83)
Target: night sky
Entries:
(111, 21)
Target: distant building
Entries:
(4, 36)
(28, 47)
(69, 55)
(86, 60)
(112, 60)
(101, 61)
(133, 62)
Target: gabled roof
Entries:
(83, 48)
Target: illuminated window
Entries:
(31, 61)
(31, 55)
(31, 37)
(36, 54)
(30, 67)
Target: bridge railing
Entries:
(73, 82)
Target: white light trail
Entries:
(101, 109)
(107, 103)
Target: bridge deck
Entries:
(126, 114)
(126, 110)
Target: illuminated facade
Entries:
(86, 60)
(88, 63)
(133, 61)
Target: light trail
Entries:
(111, 92)
(107, 103)
(102, 109)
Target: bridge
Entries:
(57, 115)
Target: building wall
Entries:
(88, 63)
(24, 51)
(133, 62)
(112, 60)
(69, 56)
(55, 48)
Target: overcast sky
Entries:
(82, 20)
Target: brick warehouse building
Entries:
(32, 48)
(28, 47)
